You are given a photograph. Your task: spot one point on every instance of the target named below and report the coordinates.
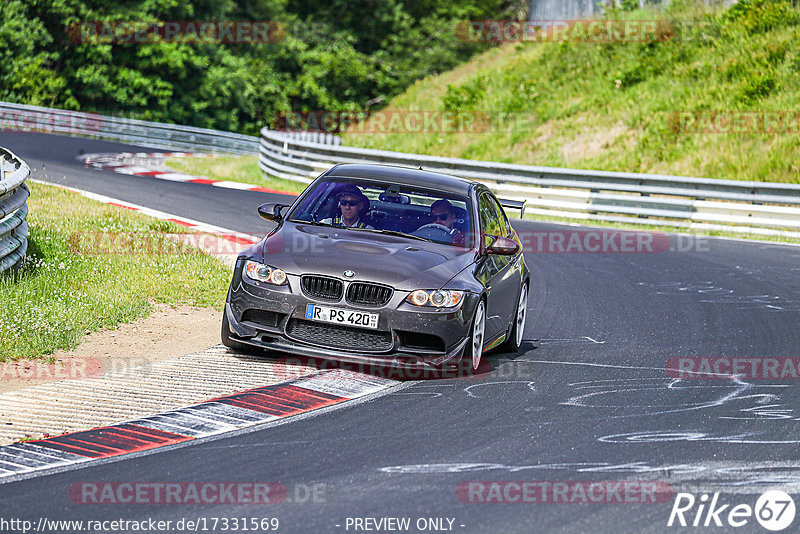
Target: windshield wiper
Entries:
(393, 232)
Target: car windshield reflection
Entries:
(418, 214)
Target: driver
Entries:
(352, 203)
(444, 213)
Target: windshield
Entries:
(387, 208)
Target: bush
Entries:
(758, 16)
(330, 55)
(465, 97)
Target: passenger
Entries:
(352, 205)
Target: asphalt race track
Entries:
(54, 159)
(588, 398)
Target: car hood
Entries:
(402, 263)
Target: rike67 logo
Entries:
(774, 510)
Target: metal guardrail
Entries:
(13, 209)
(708, 204)
(699, 203)
(142, 133)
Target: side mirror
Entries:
(271, 211)
(503, 246)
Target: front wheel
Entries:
(226, 335)
(474, 349)
(514, 339)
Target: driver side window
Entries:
(490, 225)
(502, 220)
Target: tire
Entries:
(471, 359)
(226, 335)
(514, 339)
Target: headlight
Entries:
(441, 298)
(264, 273)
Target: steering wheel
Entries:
(436, 227)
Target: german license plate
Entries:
(326, 314)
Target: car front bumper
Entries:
(398, 321)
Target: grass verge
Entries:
(242, 169)
(92, 266)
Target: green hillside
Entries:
(617, 106)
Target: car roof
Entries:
(403, 176)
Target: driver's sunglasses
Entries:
(349, 202)
(441, 216)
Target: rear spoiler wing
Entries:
(514, 205)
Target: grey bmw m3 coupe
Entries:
(385, 266)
